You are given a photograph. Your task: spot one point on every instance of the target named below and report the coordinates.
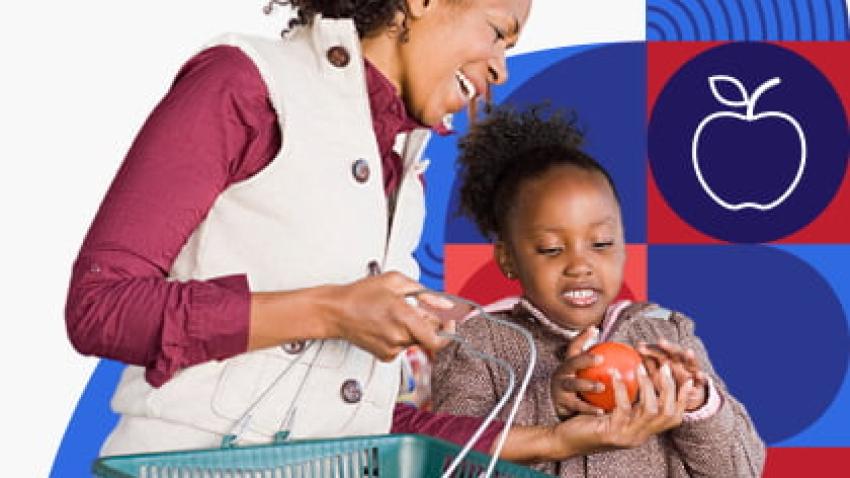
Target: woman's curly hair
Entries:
(505, 149)
(369, 15)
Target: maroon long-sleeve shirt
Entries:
(214, 127)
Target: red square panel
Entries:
(807, 462)
(664, 226)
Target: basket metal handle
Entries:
(532, 360)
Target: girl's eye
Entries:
(549, 251)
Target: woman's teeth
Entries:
(581, 297)
(466, 86)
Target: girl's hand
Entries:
(375, 314)
(683, 364)
(626, 426)
(564, 384)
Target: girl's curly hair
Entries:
(505, 149)
(369, 15)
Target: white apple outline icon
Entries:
(750, 103)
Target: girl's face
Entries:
(565, 244)
(455, 50)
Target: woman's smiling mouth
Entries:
(466, 86)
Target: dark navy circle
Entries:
(779, 340)
(750, 176)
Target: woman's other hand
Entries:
(630, 425)
(627, 426)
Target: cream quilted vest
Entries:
(302, 221)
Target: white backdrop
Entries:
(78, 79)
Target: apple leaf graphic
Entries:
(715, 81)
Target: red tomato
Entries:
(615, 355)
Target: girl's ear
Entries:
(503, 259)
(419, 8)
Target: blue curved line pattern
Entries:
(669, 18)
(712, 32)
(719, 12)
(660, 34)
(762, 23)
(839, 19)
(747, 20)
(777, 14)
(691, 18)
(795, 15)
(428, 272)
(728, 20)
(694, 22)
(433, 255)
(828, 14)
(688, 15)
(426, 264)
(844, 20)
(751, 18)
(813, 29)
(742, 18)
(769, 19)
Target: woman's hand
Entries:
(564, 385)
(684, 366)
(374, 314)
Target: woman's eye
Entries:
(602, 244)
(499, 35)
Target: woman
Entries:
(263, 207)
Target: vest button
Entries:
(351, 391)
(294, 347)
(360, 170)
(374, 268)
(338, 56)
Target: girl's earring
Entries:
(510, 275)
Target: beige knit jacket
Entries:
(725, 444)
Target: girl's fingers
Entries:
(577, 346)
(693, 365)
(572, 403)
(578, 362)
(648, 399)
(653, 352)
(621, 396)
(680, 373)
(572, 384)
(668, 390)
(684, 393)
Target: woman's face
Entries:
(565, 244)
(455, 50)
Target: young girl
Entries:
(554, 216)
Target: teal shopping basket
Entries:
(410, 456)
(398, 455)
